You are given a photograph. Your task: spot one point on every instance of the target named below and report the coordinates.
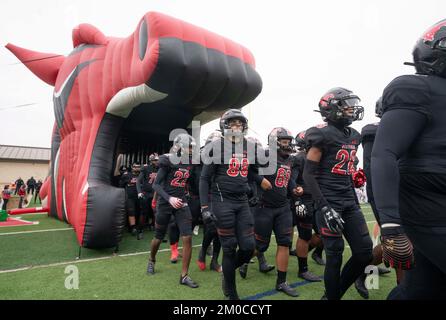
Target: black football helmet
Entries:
(229, 115)
(429, 53)
(213, 137)
(183, 142)
(153, 157)
(300, 140)
(280, 133)
(379, 107)
(332, 104)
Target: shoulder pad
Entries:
(408, 91)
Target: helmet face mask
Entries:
(216, 135)
(229, 125)
(379, 107)
(340, 105)
(183, 144)
(300, 141)
(282, 140)
(153, 159)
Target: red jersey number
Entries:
(344, 157)
(282, 178)
(236, 168)
(180, 179)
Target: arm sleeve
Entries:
(310, 170)
(205, 180)
(366, 159)
(253, 174)
(397, 131)
(160, 177)
(294, 175)
(139, 182)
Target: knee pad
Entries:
(160, 231)
(247, 243)
(245, 256)
(334, 246)
(262, 243)
(283, 239)
(228, 243)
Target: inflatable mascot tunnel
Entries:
(113, 94)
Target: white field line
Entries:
(34, 231)
(84, 260)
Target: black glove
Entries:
(332, 219)
(253, 201)
(397, 248)
(301, 209)
(207, 216)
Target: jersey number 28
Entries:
(345, 157)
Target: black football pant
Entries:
(210, 235)
(182, 216)
(357, 235)
(269, 219)
(427, 280)
(307, 224)
(235, 227)
(146, 208)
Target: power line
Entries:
(18, 106)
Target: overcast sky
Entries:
(302, 49)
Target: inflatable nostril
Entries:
(143, 39)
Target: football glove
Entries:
(397, 248)
(301, 209)
(332, 219)
(208, 216)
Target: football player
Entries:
(273, 210)
(409, 171)
(144, 185)
(132, 205)
(227, 178)
(368, 134)
(305, 220)
(170, 185)
(330, 162)
(210, 230)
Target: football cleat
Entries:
(243, 270)
(285, 288)
(307, 275)
(151, 267)
(187, 281)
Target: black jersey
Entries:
(128, 181)
(146, 180)
(419, 194)
(427, 95)
(339, 147)
(171, 179)
(284, 171)
(228, 178)
(368, 134)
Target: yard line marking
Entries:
(274, 291)
(85, 260)
(34, 231)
